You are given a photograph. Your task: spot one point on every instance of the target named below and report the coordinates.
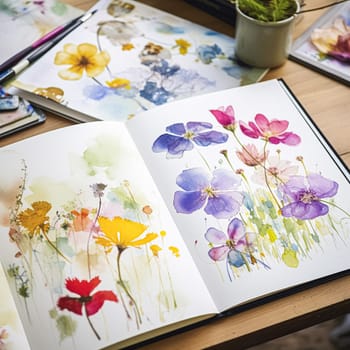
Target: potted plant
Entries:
(264, 31)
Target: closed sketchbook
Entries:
(112, 233)
(130, 57)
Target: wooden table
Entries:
(328, 102)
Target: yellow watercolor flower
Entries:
(80, 58)
(175, 251)
(35, 220)
(119, 83)
(155, 248)
(272, 235)
(122, 233)
(128, 47)
(183, 46)
(163, 233)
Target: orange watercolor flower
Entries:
(81, 220)
(35, 220)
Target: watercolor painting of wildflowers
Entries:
(90, 254)
(129, 58)
(325, 46)
(252, 189)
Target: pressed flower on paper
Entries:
(81, 58)
(183, 46)
(333, 41)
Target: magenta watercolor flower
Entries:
(304, 196)
(216, 192)
(225, 116)
(273, 131)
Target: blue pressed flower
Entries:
(154, 94)
(181, 137)
(164, 69)
(207, 53)
(95, 92)
(304, 194)
(166, 28)
(217, 193)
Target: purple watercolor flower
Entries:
(304, 196)
(234, 242)
(217, 193)
(237, 246)
(180, 138)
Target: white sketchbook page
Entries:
(12, 336)
(275, 252)
(151, 279)
(24, 23)
(153, 58)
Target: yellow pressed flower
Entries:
(35, 220)
(81, 58)
(128, 47)
(122, 233)
(175, 251)
(155, 248)
(52, 92)
(183, 46)
(119, 83)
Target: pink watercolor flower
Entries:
(250, 155)
(273, 131)
(277, 171)
(225, 116)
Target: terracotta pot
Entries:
(263, 44)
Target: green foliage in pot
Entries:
(268, 10)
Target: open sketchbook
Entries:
(130, 57)
(104, 224)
